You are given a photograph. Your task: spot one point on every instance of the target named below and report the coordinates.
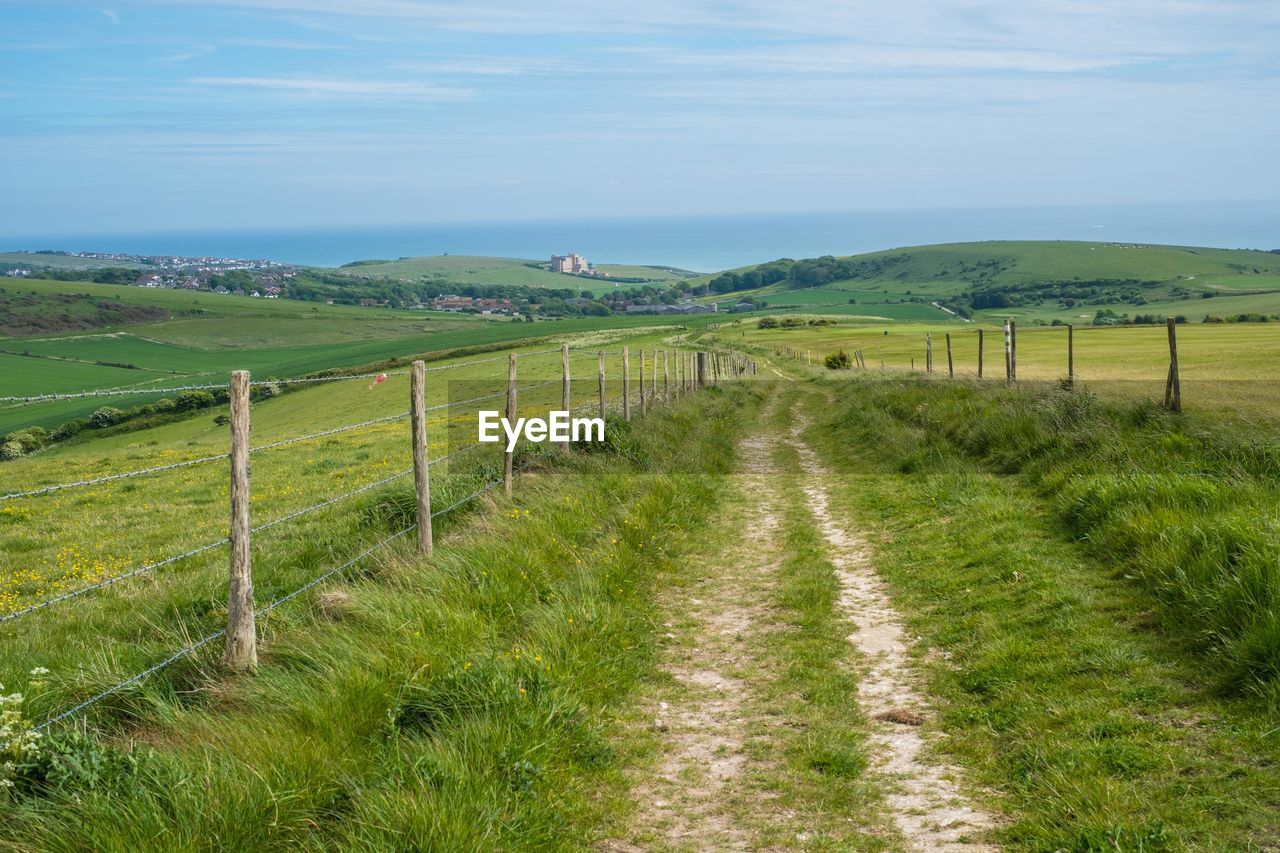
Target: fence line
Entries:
(112, 477)
(240, 389)
(137, 392)
(263, 611)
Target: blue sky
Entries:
(187, 114)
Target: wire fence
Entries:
(710, 369)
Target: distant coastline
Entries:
(705, 243)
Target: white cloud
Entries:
(392, 90)
(110, 15)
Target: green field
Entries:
(1172, 279)
(471, 269)
(271, 337)
(8, 260)
(812, 609)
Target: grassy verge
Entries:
(457, 703)
(1065, 682)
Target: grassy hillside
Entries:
(9, 260)
(1035, 280)
(213, 334)
(471, 269)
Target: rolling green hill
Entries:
(184, 334)
(1031, 280)
(472, 269)
(38, 260)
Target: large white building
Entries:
(571, 263)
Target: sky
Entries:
(138, 115)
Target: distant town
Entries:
(267, 279)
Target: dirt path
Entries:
(707, 713)
(717, 715)
(923, 798)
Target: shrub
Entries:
(191, 400)
(766, 323)
(69, 429)
(222, 420)
(164, 404)
(31, 438)
(838, 360)
(105, 417)
(10, 450)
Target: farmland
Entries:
(865, 609)
(216, 333)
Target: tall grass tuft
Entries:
(1188, 506)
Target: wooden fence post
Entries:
(979, 353)
(626, 384)
(951, 370)
(508, 457)
(1013, 350)
(642, 401)
(666, 379)
(242, 639)
(928, 353)
(654, 384)
(565, 398)
(600, 379)
(702, 370)
(1008, 352)
(1173, 387)
(1071, 356)
(421, 467)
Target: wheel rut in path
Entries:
(708, 715)
(921, 796)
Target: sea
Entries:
(705, 243)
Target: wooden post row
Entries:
(421, 466)
(242, 645)
(508, 457)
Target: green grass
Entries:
(460, 702)
(1077, 657)
(472, 269)
(9, 260)
(283, 339)
(947, 270)
(1230, 369)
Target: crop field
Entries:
(1225, 367)
(276, 338)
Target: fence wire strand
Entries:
(262, 611)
